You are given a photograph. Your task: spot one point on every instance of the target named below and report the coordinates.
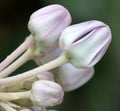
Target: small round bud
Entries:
(46, 93)
(73, 78)
(85, 44)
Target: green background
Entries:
(102, 92)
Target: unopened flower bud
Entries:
(47, 23)
(85, 44)
(73, 78)
(46, 93)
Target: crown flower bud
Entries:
(46, 93)
(73, 78)
(47, 23)
(85, 43)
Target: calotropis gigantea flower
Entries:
(73, 78)
(47, 23)
(85, 44)
(46, 93)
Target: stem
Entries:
(13, 105)
(10, 96)
(16, 53)
(6, 107)
(53, 64)
(19, 62)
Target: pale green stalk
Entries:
(34, 72)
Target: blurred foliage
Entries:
(102, 93)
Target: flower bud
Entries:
(73, 78)
(46, 93)
(47, 23)
(85, 44)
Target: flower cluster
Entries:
(66, 55)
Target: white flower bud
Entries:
(85, 44)
(46, 93)
(47, 23)
(72, 78)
